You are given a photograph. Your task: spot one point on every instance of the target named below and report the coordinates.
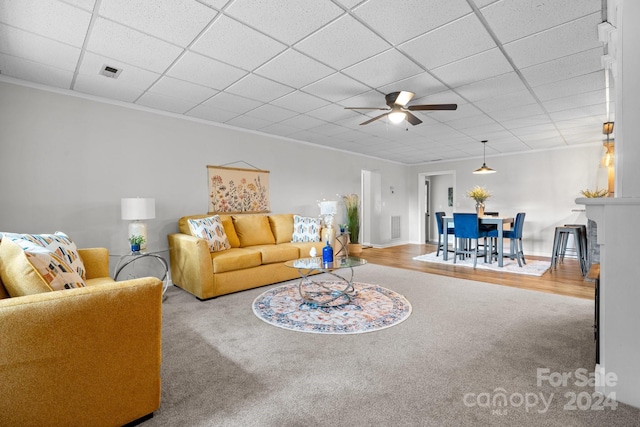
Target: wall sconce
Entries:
(607, 128)
(136, 210)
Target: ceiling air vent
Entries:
(111, 72)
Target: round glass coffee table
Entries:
(326, 293)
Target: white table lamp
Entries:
(136, 210)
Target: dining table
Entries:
(498, 221)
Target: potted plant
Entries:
(479, 194)
(136, 240)
(351, 202)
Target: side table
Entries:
(130, 258)
(341, 248)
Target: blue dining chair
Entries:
(467, 232)
(441, 244)
(515, 239)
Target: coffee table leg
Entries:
(343, 289)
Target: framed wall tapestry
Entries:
(450, 196)
(235, 190)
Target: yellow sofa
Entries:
(87, 356)
(260, 245)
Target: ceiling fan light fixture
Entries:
(484, 169)
(397, 116)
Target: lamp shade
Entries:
(134, 209)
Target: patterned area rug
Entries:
(371, 309)
(532, 267)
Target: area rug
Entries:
(531, 268)
(372, 308)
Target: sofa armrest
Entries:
(84, 356)
(96, 262)
(191, 265)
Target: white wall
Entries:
(67, 161)
(543, 184)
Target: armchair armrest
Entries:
(84, 356)
(191, 265)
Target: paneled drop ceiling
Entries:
(526, 74)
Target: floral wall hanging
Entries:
(236, 190)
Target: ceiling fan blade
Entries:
(404, 98)
(365, 108)
(433, 107)
(398, 98)
(412, 119)
(374, 119)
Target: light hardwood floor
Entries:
(565, 280)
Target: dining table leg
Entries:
(445, 241)
(500, 244)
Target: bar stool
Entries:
(560, 240)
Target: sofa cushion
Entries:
(211, 230)
(27, 268)
(58, 243)
(306, 229)
(235, 259)
(281, 227)
(277, 253)
(253, 230)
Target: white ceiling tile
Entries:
(165, 103)
(36, 48)
(517, 112)
(205, 71)
(329, 129)
(259, 88)
(266, 16)
(491, 87)
(477, 67)
(303, 121)
(589, 122)
(34, 72)
(176, 21)
(336, 87)
(343, 43)
(130, 75)
(332, 113)
(383, 69)
(117, 41)
(416, 16)
(505, 101)
(449, 43)
(248, 122)
(557, 42)
(48, 18)
(218, 4)
(206, 112)
(272, 113)
(233, 103)
(294, 69)
(300, 101)
(571, 102)
(180, 89)
(564, 68)
(514, 19)
(521, 122)
(572, 86)
(422, 85)
(107, 88)
(481, 121)
(231, 42)
(280, 129)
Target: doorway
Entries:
(433, 196)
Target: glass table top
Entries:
(317, 264)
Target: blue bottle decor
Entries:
(327, 253)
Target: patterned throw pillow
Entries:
(306, 229)
(29, 268)
(58, 243)
(211, 230)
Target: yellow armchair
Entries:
(84, 356)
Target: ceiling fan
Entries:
(397, 108)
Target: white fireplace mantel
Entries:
(618, 234)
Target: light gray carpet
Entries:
(222, 366)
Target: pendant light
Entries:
(484, 169)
